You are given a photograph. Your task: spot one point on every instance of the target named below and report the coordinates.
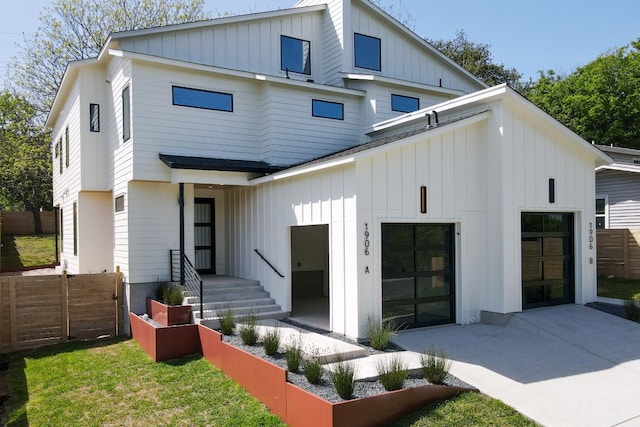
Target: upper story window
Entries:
(119, 203)
(404, 104)
(295, 55)
(126, 115)
(367, 51)
(326, 109)
(94, 117)
(66, 146)
(198, 98)
(601, 211)
(60, 150)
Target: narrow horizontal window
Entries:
(197, 98)
(119, 203)
(295, 55)
(404, 104)
(94, 117)
(367, 51)
(326, 109)
(126, 115)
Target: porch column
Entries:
(182, 255)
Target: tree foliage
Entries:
(600, 101)
(25, 162)
(478, 60)
(77, 29)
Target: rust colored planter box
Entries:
(165, 343)
(300, 408)
(168, 315)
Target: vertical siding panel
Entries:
(449, 171)
(461, 202)
(394, 186)
(409, 190)
(435, 178)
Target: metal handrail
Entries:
(268, 263)
(192, 280)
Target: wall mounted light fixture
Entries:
(552, 190)
(423, 199)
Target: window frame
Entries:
(358, 64)
(94, 110)
(405, 97)
(314, 112)
(115, 201)
(75, 228)
(201, 107)
(66, 147)
(126, 113)
(605, 214)
(306, 69)
(61, 148)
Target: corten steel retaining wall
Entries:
(619, 253)
(22, 223)
(48, 309)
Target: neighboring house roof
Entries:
(214, 164)
(618, 150)
(620, 167)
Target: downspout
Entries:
(182, 255)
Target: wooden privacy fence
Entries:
(20, 222)
(48, 309)
(619, 253)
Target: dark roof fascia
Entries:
(217, 164)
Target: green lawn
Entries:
(27, 251)
(113, 382)
(618, 288)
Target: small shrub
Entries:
(632, 309)
(312, 369)
(247, 331)
(343, 379)
(392, 373)
(169, 293)
(227, 324)
(379, 333)
(294, 357)
(271, 341)
(435, 365)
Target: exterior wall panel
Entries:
(623, 191)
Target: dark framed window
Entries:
(404, 104)
(94, 117)
(119, 203)
(66, 147)
(57, 150)
(75, 228)
(61, 229)
(367, 52)
(198, 98)
(295, 55)
(126, 115)
(327, 110)
(601, 212)
(60, 145)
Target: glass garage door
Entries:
(547, 259)
(418, 274)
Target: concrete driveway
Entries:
(562, 366)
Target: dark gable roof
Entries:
(213, 164)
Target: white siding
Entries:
(623, 191)
(95, 232)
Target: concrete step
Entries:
(237, 311)
(213, 323)
(229, 297)
(220, 306)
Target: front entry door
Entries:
(547, 259)
(204, 235)
(418, 279)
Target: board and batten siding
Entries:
(260, 218)
(252, 46)
(623, 194)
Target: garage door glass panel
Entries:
(397, 289)
(433, 286)
(433, 313)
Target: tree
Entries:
(477, 59)
(600, 101)
(25, 162)
(77, 29)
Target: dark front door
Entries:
(204, 235)
(547, 259)
(418, 280)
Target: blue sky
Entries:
(524, 34)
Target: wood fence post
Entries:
(64, 294)
(625, 246)
(118, 298)
(13, 315)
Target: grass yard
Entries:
(27, 251)
(113, 382)
(618, 288)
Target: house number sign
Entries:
(366, 245)
(591, 240)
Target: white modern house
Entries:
(327, 152)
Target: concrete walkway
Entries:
(562, 366)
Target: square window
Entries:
(198, 98)
(367, 51)
(295, 55)
(119, 203)
(327, 110)
(94, 117)
(404, 104)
